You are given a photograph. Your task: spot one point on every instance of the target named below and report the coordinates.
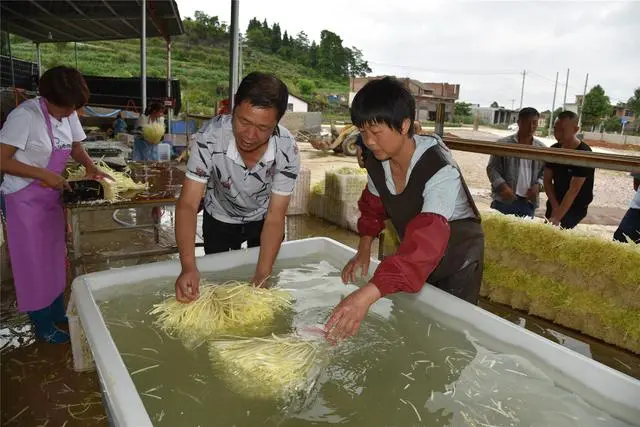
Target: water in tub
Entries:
(404, 367)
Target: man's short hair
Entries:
(384, 101)
(263, 90)
(569, 115)
(528, 113)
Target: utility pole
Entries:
(512, 102)
(566, 86)
(240, 61)
(553, 104)
(584, 93)
(234, 66)
(143, 59)
(524, 73)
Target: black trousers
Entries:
(460, 270)
(222, 237)
(629, 227)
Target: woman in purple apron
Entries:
(36, 141)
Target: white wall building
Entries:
(495, 116)
(297, 105)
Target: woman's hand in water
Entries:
(188, 285)
(360, 262)
(346, 317)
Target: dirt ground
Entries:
(613, 190)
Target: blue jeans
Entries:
(519, 207)
(143, 151)
(629, 227)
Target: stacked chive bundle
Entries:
(577, 280)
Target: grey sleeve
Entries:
(541, 173)
(495, 172)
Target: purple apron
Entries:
(36, 235)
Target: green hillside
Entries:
(200, 60)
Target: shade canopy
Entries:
(89, 20)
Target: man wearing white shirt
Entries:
(629, 228)
(516, 182)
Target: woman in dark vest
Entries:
(413, 181)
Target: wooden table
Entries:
(164, 181)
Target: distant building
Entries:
(297, 105)
(495, 116)
(428, 95)
(575, 106)
(623, 112)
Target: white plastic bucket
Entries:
(164, 152)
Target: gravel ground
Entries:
(612, 189)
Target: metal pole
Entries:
(75, 49)
(524, 73)
(566, 86)
(233, 52)
(143, 58)
(440, 118)
(584, 93)
(240, 61)
(170, 109)
(553, 104)
(39, 59)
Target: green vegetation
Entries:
(200, 60)
(462, 113)
(596, 106)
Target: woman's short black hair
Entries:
(64, 87)
(154, 107)
(263, 90)
(385, 101)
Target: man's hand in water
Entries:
(188, 285)
(261, 279)
(346, 317)
(359, 263)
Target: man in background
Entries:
(569, 188)
(515, 182)
(629, 228)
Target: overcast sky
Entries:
(482, 45)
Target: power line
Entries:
(540, 76)
(450, 71)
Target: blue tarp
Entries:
(180, 127)
(91, 112)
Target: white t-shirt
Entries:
(524, 177)
(26, 129)
(635, 203)
(438, 190)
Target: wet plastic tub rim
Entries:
(125, 405)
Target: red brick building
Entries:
(427, 95)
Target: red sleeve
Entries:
(372, 214)
(424, 245)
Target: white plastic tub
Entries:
(594, 382)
